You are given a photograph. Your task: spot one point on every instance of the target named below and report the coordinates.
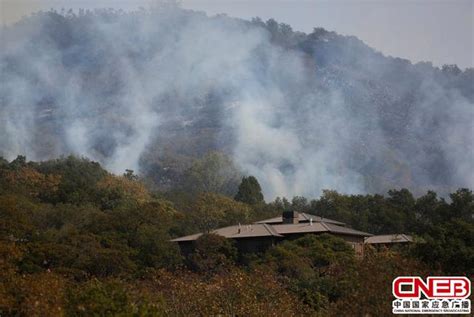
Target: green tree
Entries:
(312, 266)
(3, 162)
(462, 205)
(448, 247)
(20, 161)
(211, 211)
(402, 203)
(214, 173)
(250, 191)
(79, 178)
(130, 174)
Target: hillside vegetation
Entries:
(149, 125)
(76, 240)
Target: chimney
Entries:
(290, 217)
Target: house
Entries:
(259, 236)
(388, 240)
(299, 217)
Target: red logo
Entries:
(436, 287)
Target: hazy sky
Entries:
(440, 31)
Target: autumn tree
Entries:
(368, 288)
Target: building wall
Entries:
(186, 247)
(261, 244)
(392, 246)
(254, 245)
(356, 242)
(243, 245)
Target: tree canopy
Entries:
(249, 191)
(80, 240)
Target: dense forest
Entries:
(154, 90)
(149, 125)
(76, 240)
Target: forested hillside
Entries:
(76, 240)
(156, 91)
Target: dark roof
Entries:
(277, 230)
(316, 227)
(389, 238)
(305, 227)
(344, 230)
(303, 217)
(236, 232)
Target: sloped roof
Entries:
(389, 238)
(237, 232)
(344, 230)
(277, 230)
(316, 227)
(303, 217)
(304, 227)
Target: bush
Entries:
(212, 254)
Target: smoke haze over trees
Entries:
(156, 90)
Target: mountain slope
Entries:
(152, 90)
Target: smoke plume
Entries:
(301, 112)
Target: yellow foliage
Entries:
(235, 293)
(9, 253)
(131, 189)
(33, 181)
(43, 295)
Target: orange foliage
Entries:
(9, 254)
(33, 181)
(43, 295)
(371, 286)
(235, 293)
(28, 294)
(127, 187)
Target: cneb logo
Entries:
(438, 295)
(436, 287)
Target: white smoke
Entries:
(125, 80)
